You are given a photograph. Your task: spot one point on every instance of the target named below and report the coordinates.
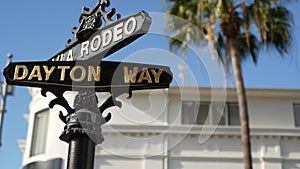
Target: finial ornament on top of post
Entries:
(90, 21)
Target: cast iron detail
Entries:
(87, 117)
(60, 100)
(82, 101)
(90, 21)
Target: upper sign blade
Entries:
(108, 39)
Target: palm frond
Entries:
(245, 50)
(241, 19)
(279, 24)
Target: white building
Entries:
(155, 130)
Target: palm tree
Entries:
(236, 29)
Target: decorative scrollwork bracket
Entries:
(87, 117)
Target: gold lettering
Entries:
(92, 73)
(17, 69)
(143, 77)
(35, 73)
(156, 75)
(72, 74)
(130, 75)
(48, 72)
(63, 72)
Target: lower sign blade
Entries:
(80, 75)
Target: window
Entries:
(39, 134)
(297, 114)
(233, 114)
(189, 113)
(204, 113)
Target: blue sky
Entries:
(35, 30)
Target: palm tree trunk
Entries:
(242, 100)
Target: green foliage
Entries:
(254, 24)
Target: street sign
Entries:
(79, 67)
(79, 75)
(106, 40)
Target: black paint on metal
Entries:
(81, 127)
(81, 153)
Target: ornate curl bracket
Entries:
(87, 102)
(86, 119)
(91, 21)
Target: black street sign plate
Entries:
(108, 39)
(79, 75)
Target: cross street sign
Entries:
(107, 40)
(76, 75)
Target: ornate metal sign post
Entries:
(79, 68)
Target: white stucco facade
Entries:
(147, 132)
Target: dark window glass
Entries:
(205, 113)
(297, 114)
(233, 114)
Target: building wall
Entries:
(53, 147)
(175, 148)
(147, 133)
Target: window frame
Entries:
(229, 113)
(210, 118)
(36, 138)
(294, 114)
